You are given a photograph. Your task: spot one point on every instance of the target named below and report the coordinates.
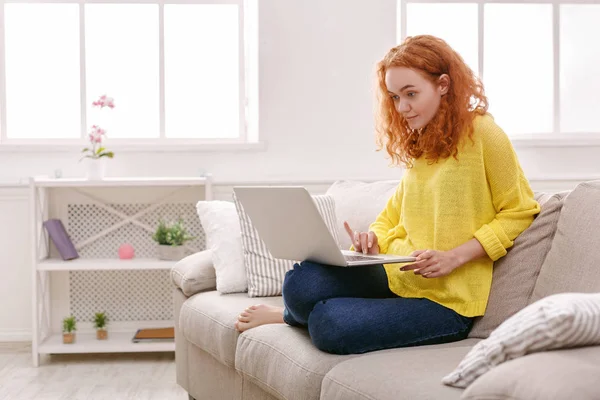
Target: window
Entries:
(535, 60)
(180, 71)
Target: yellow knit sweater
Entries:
(440, 206)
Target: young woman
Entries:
(462, 201)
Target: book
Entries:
(154, 335)
(61, 239)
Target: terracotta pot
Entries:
(68, 337)
(101, 334)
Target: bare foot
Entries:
(257, 315)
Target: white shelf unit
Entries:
(101, 264)
(45, 339)
(117, 342)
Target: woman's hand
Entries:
(433, 264)
(365, 242)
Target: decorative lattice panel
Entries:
(123, 295)
(128, 295)
(87, 220)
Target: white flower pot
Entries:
(170, 253)
(95, 168)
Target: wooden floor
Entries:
(87, 376)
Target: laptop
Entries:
(288, 221)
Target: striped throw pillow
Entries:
(559, 321)
(265, 274)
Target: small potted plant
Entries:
(69, 328)
(170, 239)
(100, 321)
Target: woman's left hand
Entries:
(432, 263)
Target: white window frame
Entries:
(248, 90)
(556, 138)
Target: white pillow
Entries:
(555, 322)
(359, 203)
(221, 224)
(266, 273)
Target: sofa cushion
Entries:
(573, 262)
(412, 373)
(221, 226)
(194, 273)
(556, 322)
(561, 374)
(515, 273)
(359, 203)
(283, 361)
(207, 320)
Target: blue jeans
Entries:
(353, 311)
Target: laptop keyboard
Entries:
(361, 258)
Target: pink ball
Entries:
(126, 251)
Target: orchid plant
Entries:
(97, 134)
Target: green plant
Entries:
(100, 320)
(174, 234)
(69, 324)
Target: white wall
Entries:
(316, 64)
(15, 270)
(316, 68)
(315, 75)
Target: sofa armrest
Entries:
(195, 273)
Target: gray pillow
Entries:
(573, 262)
(515, 274)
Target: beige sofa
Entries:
(560, 252)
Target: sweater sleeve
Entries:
(512, 196)
(388, 221)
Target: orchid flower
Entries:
(104, 101)
(97, 134)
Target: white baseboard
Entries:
(15, 336)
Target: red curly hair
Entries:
(465, 99)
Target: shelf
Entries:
(120, 182)
(55, 294)
(102, 264)
(117, 342)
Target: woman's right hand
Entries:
(364, 242)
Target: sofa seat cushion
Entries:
(207, 320)
(412, 373)
(283, 361)
(560, 374)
